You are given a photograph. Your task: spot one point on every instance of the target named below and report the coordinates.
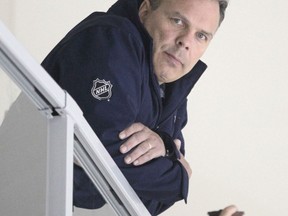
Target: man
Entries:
(131, 70)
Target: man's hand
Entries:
(231, 211)
(146, 144)
(182, 159)
(228, 211)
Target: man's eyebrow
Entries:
(178, 14)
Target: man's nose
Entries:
(185, 40)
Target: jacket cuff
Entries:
(171, 150)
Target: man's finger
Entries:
(139, 154)
(145, 158)
(177, 143)
(136, 139)
(229, 210)
(134, 128)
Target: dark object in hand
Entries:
(217, 213)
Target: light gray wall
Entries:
(236, 137)
(8, 91)
(23, 161)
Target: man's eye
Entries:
(202, 36)
(177, 21)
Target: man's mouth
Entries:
(174, 59)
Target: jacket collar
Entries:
(129, 9)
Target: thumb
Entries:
(229, 210)
(177, 143)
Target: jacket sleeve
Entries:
(180, 123)
(114, 55)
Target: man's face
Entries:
(181, 31)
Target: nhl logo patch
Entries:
(101, 89)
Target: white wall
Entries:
(237, 140)
(239, 113)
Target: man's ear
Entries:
(144, 10)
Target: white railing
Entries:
(68, 132)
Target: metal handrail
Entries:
(51, 100)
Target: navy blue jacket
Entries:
(105, 64)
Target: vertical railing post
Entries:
(60, 166)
